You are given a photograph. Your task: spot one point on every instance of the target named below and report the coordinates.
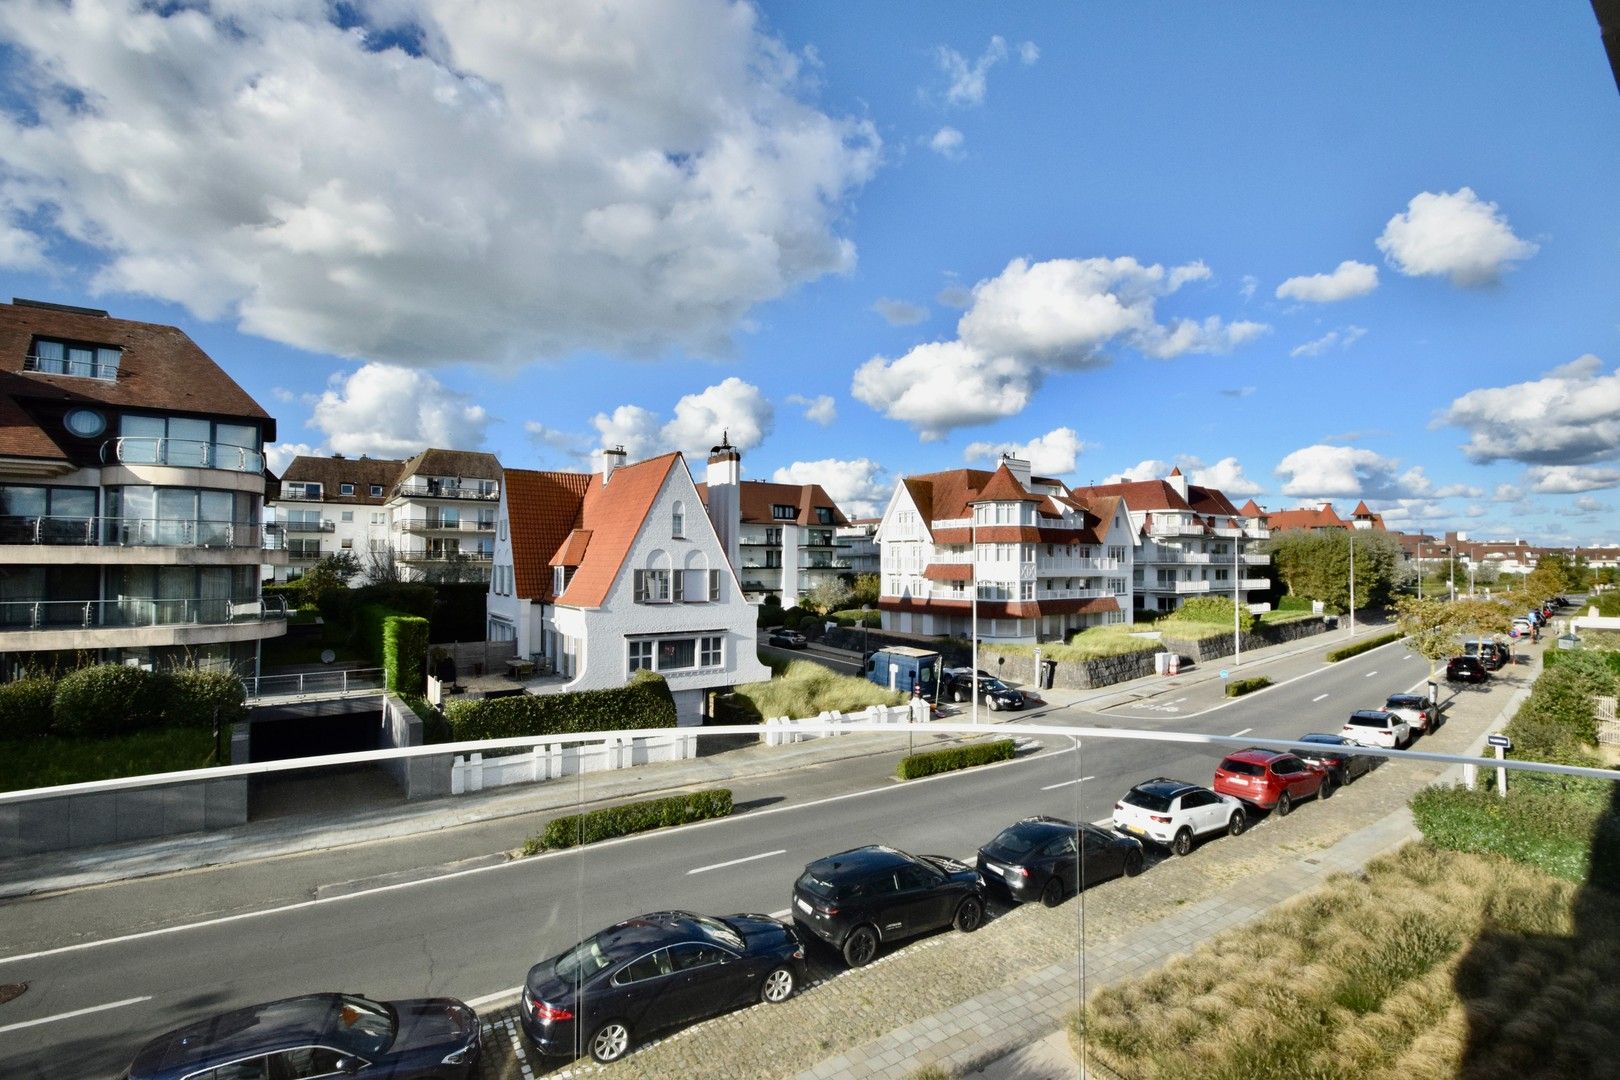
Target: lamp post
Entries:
(1352, 535)
(1237, 619)
(973, 556)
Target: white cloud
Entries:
(947, 143)
(1588, 505)
(279, 456)
(1226, 474)
(1238, 391)
(1456, 235)
(1569, 479)
(1571, 415)
(859, 487)
(592, 174)
(943, 385)
(1028, 53)
(1349, 280)
(632, 427)
(1507, 493)
(283, 395)
(968, 80)
(900, 312)
(20, 249)
(1341, 338)
(1474, 510)
(388, 411)
(1249, 285)
(1326, 472)
(732, 408)
(1193, 271)
(1150, 469)
(821, 409)
(1052, 454)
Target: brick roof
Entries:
(20, 436)
(468, 464)
(332, 472)
(1142, 495)
(757, 497)
(948, 572)
(1003, 486)
(541, 509)
(1306, 517)
(572, 551)
(613, 514)
(1251, 509)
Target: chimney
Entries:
(1177, 481)
(610, 459)
(724, 481)
(1019, 467)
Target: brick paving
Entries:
(962, 1002)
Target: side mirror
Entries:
(348, 1066)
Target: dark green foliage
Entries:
(852, 617)
(397, 643)
(1345, 652)
(958, 757)
(108, 699)
(1316, 566)
(1239, 687)
(193, 695)
(53, 760)
(1545, 828)
(643, 703)
(588, 828)
(25, 707)
(409, 598)
(1558, 721)
(1586, 659)
(1294, 603)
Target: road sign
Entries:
(1224, 673)
(1500, 740)
(1513, 633)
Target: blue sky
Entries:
(1343, 252)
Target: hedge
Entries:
(114, 699)
(1239, 687)
(1345, 652)
(1607, 658)
(193, 695)
(957, 757)
(644, 702)
(25, 707)
(107, 699)
(595, 825)
(398, 643)
(852, 617)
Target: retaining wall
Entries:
(1200, 650)
(62, 822)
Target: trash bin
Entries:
(1174, 667)
(1048, 673)
(1161, 663)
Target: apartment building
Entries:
(787, 539)
(858, 547)
(132, 488)
(328, 505)
(1189, 540)
(1045, 562)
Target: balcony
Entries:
(135, 612)
(1258, 534)
(1227, 530)
(1071, 594)
(1254, 583)
(438, 525)
(438, 489)
(1184, 587)
(1177, 528)
(1256, 560)
(299, 496)
(84, 369)
(305, 526)
(181, 453)
(445, 558)
(302, 550)
(128, 532)
(824, 564)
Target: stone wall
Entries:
(88, 819)
(417, 777)
(1019, 667)
(1201, 650)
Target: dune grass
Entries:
(1113, 639)
(806, 689)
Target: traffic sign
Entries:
(1224, 673)
(1500, 740)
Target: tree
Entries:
(828, 595)
(382, 565)
(1316, 566)
(866, 590)
(1428, 627)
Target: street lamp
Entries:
(1352, 535)
(864, 651)
(973, 561)
(1237, 619)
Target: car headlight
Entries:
(463, 1055)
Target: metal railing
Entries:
(181, 453)
(445, 556)
(315, 684)
(299, 496)
(433, 489)
(135, 612)
(305, 526)
(88, 369)
(427, 524)
(127, 531)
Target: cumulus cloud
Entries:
(388, 411)
(1569, 416)
(1150, 469)
(860, 487)
(1324, 472)
(1453, 234)
(1570, 479)
(552, 443)
(1342, 338)
(521, 182)
(821, 409)
(968, 79)
(1226, 474)
(900, 312)
(1350, 279)
(1052, 454)
(279, 456)
(1238, 391)
(947, 143)
(1033, 319)
(732, 408)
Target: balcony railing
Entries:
(1259, 534)
(434, 489)
(427, 524)
(824, 564)
(128, 531)
(305, 526)
(1176, 528)
(181, 453)
(299, 496)
(135, 612)
(1227, 530)
(88, 369)
(1071, 594)
(303, 549)
(1191, 586)
(1256, 560)
(445, 556)
(1254, 583)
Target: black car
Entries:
(655, 972)
(1050, 858)
(1466, 669)
(858, 899)
(787, 639)
(319, 1035)
(1342, 765)
(1493, 653)
(996, 694)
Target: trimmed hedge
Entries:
(193, 696)
(957, 757)
(595, 825)
(1345, 652)
(398, 643)
(108, 699)
(1239, 687)
(25, 707)
(644, 702)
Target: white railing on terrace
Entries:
(427, 524)
(1226, 530)
(1192, 586)
(1254, 583)
(127, 531)
(87, 369)
(1071, 594)
(445, 556)
(1256, 560)
(1176, 528)
(299, 496)
(296, 526)
(181, 453)
(315, 684)
(135, 612)
(435, 489)
(1258, 534)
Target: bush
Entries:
(806, 689)
(595, 825)
(957, 757)
(397, 643)
(1239, 687)
(1544, 828)
(1295, 603)
(193, 696)
(1378, 641)
(107, 699)
(53, 760)
(1595, 661)
(25, 707)
(852, 617)
(643, 703)
(1216, 610)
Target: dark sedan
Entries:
(1342, 765)
(857, 899)
(1049, 858)
(655, 972)
(787, 639)
(1466, 669)
(996, 694)
(319, 1035)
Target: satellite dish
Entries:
(327, 656)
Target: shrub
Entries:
(957, 757)
(806, 689)
(107, 699)
(1377, 641)
(1213, 609)
(1295, 603)
(397, 643)
(25, 707)
(1239, 687)
(643, 703)
(193, 695)
(1536, 825)
(605, 824)
(852, 617)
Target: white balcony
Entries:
(1184, 587)
(1176, 528)
(1258, 534)
(181, 453)
(1256, 560)
(1225, 530)
(1071, 594)
(440, 525)
(1254, 583)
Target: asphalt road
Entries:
(475, 933)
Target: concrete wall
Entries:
(417, 777)
(1069, 675)
(62, 822)
(1217, 645)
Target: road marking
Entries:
(490, 999)
(784, 913)
(1066, 783)
(1369, 674)
(1317, 698)
(736, 862)
(75, 1012)
(1245, 731)
(1408, 656)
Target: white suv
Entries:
(1376, 727)
(1172, 812)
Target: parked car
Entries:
(1523, 627)
(1419, 712)
(1342, 765)
(1172, 812)
(1466, 669)
(1376, 727)
(320, 1035)
(787, 639)
(1271, 779)
(1050, 858)
(652, 973)
(1495, 654)
(995, 693)
(1535, 616)
(861, 899)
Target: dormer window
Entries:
(345, 489)
(783, 512)
(53, 357)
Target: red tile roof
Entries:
(1306, 517)
(1251, 509)
(948, 572)
(573, 549)
(1142, 495)
(541, 508)
(613, 513)
(1003, 486)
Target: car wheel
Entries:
(1237, 823)
(969, 915)
(860, 947)
(1341, 775)
(1329, 786)
(1284, 804)
(1052, 895)
(1182, 844)
(778, 986)
(995, 706)
(958, 697)
(1134, 863)
(611, 1042)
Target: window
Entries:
(648, 967)
(85, 423)
(300, 489)
(379, 519)
(304, 1063)
(711, 652)
(912, 877)
(651, 586)
(783, 512)
(1026, 590)
(824, 515)
(714, 586)
(694, 955)
(773, 537)
(347, 543)
(680, 586)
(641, 655)
(559, 580)
(677, 654)
(345, 489)
(348, 515)
(677, 516)
(376, 491)
(68, 358)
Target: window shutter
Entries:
(680, 586)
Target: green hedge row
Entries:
(1345, 652)
(398, 643)
(1606, 658)
(958, 757)
(1558, 721)
(595, 825)
(644, 702)
(114, 699)
(1239, 687)
(1541, 825)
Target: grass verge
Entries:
(1545, 822)
(1345, 652)
(1091, 644)
(806, 689)
(52, 760)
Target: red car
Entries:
(1271, 778)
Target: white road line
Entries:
(1408, 656)
(1245, 731)
(1066, 783)
(490, 999)
(1369, 674)
(784, 913)
(75, 1012)
(1317, 698)
(736, 862)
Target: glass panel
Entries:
(140, 438)
(72, 516)
(176, 516)
(214, 518)
(188, 441)
(52, 355)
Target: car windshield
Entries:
(1148, 800)
(720, 932)
(362, 1028)
(1405, 701)
(1017, 840)
(818, 887)
(583, 960)
(1360, 720)
(1247, 768)
(989, 685)
(1326, 740)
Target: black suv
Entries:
(1049, 858)
(1493, 653)
(997, 694)
(1466, 669)
(856, 899)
